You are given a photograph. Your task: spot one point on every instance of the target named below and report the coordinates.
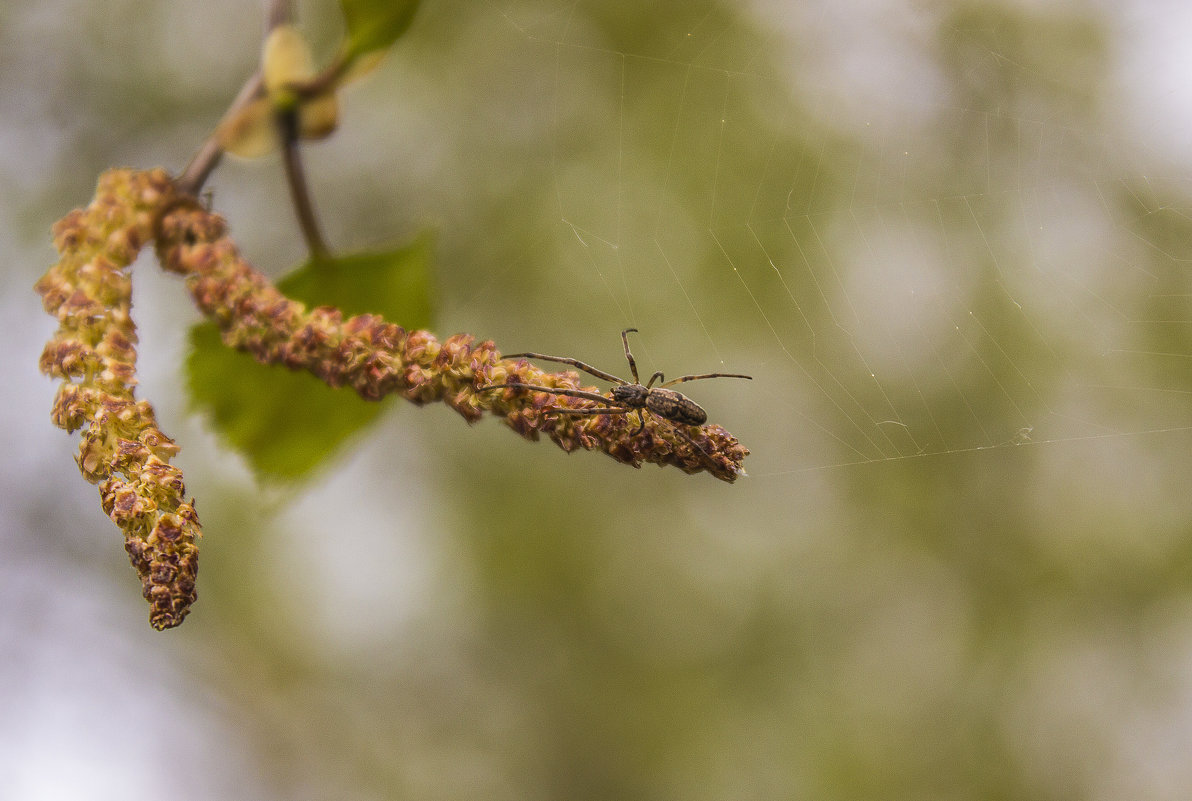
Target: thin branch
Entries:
(209, 154)
(278, 12)
(377, 358)
(207, 157)
(287, 122)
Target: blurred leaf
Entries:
(286, 423)
(285, 58)
(286, 61)
(394, 283)
(318, 117)
(373, 25)
(251, 131)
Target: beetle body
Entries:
(626, 396)
(676, 407)
(673, 406)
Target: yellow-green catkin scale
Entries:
(93, 352)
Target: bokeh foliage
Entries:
(857, 621)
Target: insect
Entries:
(626, 397)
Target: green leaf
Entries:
(375, 24)
(394, 284)
(286, 423)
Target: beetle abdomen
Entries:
(676, 407)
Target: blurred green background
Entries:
(950, 240)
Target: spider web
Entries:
(923, 239)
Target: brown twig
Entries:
(127, 455)
(378, 358)
(296, 180)
(210, 153)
